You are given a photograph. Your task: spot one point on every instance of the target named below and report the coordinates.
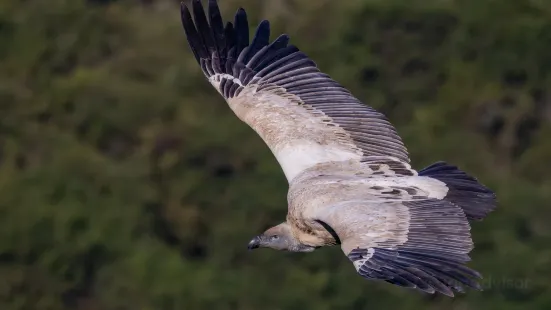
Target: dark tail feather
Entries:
(465, 191)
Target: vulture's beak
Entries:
(255, 243)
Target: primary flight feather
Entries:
(350, 181)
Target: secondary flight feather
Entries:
(349, 173)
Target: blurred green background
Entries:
(127, 183)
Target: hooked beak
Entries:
(255, 243)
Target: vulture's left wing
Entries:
(420, 243)
(304, 116)
(410, 231)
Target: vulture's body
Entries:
(350, 181)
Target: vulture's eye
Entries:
(274, 237)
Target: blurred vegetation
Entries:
(127, 183)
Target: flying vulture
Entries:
(349, 173)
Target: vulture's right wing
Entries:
(305, 117)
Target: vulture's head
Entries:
(279, 238)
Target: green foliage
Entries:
(127, 183)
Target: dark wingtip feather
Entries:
(241, 26)
(203, 27)
(217, 25)
(264, 24)
(185, 16)
(261, 38)
(407, 270)
(193, 38)
(229, 35)
(262, 34)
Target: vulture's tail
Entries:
(465, 191)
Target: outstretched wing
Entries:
(305, 117)
(399, 234)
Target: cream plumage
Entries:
(350, 181)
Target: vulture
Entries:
(350, 179)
